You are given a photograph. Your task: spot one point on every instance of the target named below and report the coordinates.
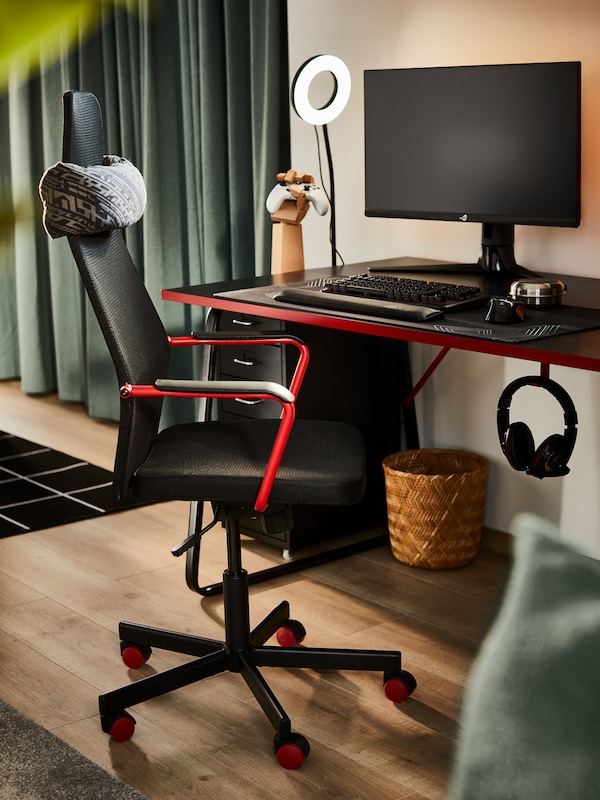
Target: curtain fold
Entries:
(194, 92)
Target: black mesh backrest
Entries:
(132, 328)
(83, 138)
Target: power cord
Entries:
(331, 194)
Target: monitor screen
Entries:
(494, 144)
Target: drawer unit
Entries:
(350, 377)
(249, 362)
(252, 362)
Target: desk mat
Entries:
(539, 324)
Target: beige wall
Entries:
(457, 408)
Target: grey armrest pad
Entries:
(233, 388)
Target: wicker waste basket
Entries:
(435, 505)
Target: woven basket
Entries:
(435, 504)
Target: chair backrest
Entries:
(83, 136)
(131, 326)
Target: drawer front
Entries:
(232, 321)
(257, 409)
(253, 362)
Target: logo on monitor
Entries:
(464, 217)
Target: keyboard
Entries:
(394, 297)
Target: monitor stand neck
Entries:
(498, 250)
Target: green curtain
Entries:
(194, 92)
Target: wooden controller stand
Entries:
(287, 249)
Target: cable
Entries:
(331, 197)
(331, 194)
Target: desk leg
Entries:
(207, 370)
(411, 430)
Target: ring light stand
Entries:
(286, 254)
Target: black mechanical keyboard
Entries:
(394, 297)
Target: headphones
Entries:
(550, 458)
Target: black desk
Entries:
(580, 350)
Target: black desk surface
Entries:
(579, 349)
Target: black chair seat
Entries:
(224, 461)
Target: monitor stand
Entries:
(498, 251)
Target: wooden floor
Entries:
(63, 591)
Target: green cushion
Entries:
(530, 726)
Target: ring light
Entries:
(301, 84)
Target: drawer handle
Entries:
(243, 363)
(245, 322)
(248, 402)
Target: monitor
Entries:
(493, 144)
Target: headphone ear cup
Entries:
(548, 458)
(519, 446)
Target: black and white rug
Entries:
(42, 488)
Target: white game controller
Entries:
(300, 189)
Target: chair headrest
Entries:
(86, 200)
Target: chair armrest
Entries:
(226, 388)
(267, 390)
(233, 337)
(259, 337)
(264, 390)
(213, 337)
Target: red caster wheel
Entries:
(135, 655)
(122, 727)
(292, 752)
(291, 634)
(399, 686)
